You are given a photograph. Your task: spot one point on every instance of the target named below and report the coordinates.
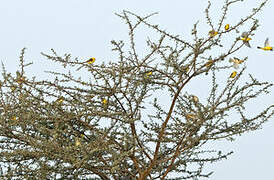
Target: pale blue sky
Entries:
(84, 28)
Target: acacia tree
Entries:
(69, 128)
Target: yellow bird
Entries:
(226, 27)
(185, 69)
(212, 33)
(91, 60)
(236, 62)
(245, 39)
(148, 74)
(266, 47)
(233, 74)
(60, 99)
(104, 101)
(209, 63)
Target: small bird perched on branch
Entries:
(236, 62)
(212, 33)
(60, 100)
(233, 74)
(226, 27)
(245, 39)
(91, 60)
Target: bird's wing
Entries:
(266, 43)
(236, 66)
(244, 34)
(247, 44)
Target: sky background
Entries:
(85, 28)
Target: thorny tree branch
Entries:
(76, 129)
